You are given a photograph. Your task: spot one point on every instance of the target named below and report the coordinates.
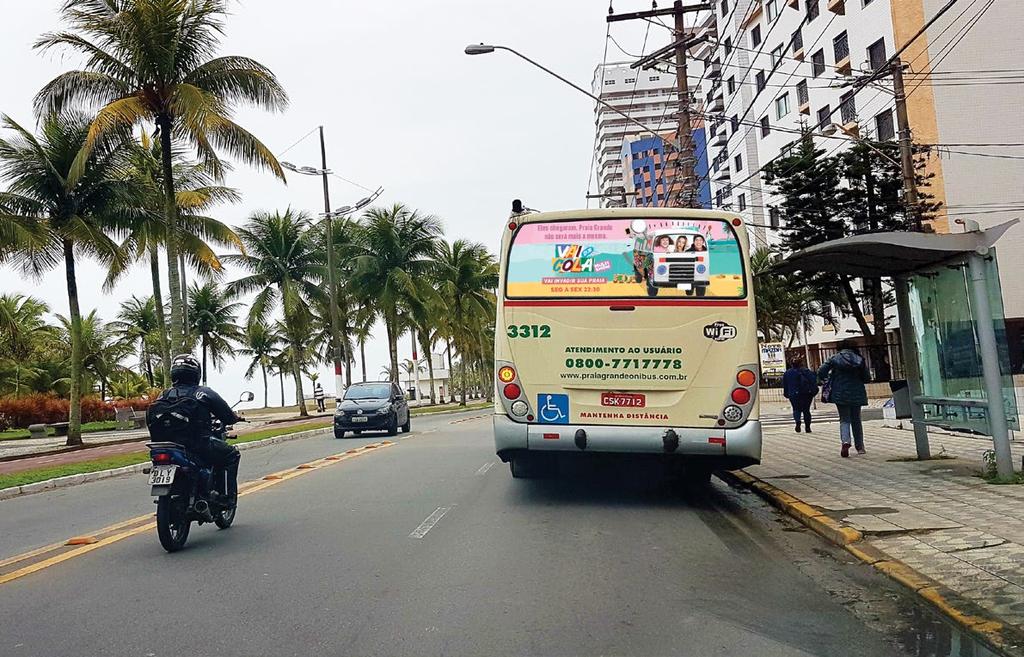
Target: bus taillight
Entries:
(746, 378)
(507, 375)
(512, 391)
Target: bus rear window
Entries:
(625, 258)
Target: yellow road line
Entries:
(114, 538)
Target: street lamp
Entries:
(332, 284)
(484, 49)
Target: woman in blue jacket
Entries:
(848, 372)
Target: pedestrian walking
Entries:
(799, 386)
(318, 395)
(843, 377)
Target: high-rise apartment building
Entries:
(783, 66)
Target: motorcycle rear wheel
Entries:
(172, 523)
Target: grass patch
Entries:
(88, 427)
(51, 472)
(280, 431)
(109, 462)
(475, 406)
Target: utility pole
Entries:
(906, 145)
(332, 282)
(686, 157)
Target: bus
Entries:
(626, 331)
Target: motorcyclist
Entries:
(186, 372)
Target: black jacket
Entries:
(209, 399)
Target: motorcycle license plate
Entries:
(162, 475)
(360, 418)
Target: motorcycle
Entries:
(187, 490)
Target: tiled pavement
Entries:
(936, 516)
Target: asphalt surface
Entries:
(428, 547)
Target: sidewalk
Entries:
(934, 516)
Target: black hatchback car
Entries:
(379, 406)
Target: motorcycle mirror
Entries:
(247, 396)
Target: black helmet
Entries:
(185, 368)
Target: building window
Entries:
(802, 96)
(848, 108)
(608, 82)
(817, 63)
(755, 36)
(824, 117)
(730, 84)
(812, 10)
(654, 78)
(734, 123)
(771, 9)
(841, 47)
(884, 128)
(630, 80)
(777, 56)
(725, 7)
(766, 128)
(738, 162)
(876, 54)
(728, 46)
(798, 41)
(760, 80)
(782, 105)
(741, 200)
(718, 198)
(773, 217)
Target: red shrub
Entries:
(35, 408)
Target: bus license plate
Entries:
(623, 400)
(162, 475)
(360, 418)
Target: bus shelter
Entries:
(949, 304)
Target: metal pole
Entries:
(687, 156)
(982, 311)
(906, 145)
(908, 342)
(332, 283)
(415, 365)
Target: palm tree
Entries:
(260, 344)
(284, 265)
(213, 317)
(136, 324)
(101, 351)
(196, 191)
(466, 277)
(783, 302)
(363, 322)
(393, 254)
(152, 61)
(281, 363)
(76, 210)
(23, 330)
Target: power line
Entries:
(953, 44)
(299, 141)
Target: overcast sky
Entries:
(402, 106)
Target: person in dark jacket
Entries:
(186, 373)
(799, 386)
(847, 373)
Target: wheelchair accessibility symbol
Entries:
(553, 409)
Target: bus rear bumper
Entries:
(737, 447)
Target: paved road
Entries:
(428, 547)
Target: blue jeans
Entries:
(802, 408)
(849, 421)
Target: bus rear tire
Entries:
(532, 466)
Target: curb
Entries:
(967, 615)
(75, 479)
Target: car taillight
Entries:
(162, 457)
(512, 391)
(506, 374)
(741, 395)
(746, 378)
